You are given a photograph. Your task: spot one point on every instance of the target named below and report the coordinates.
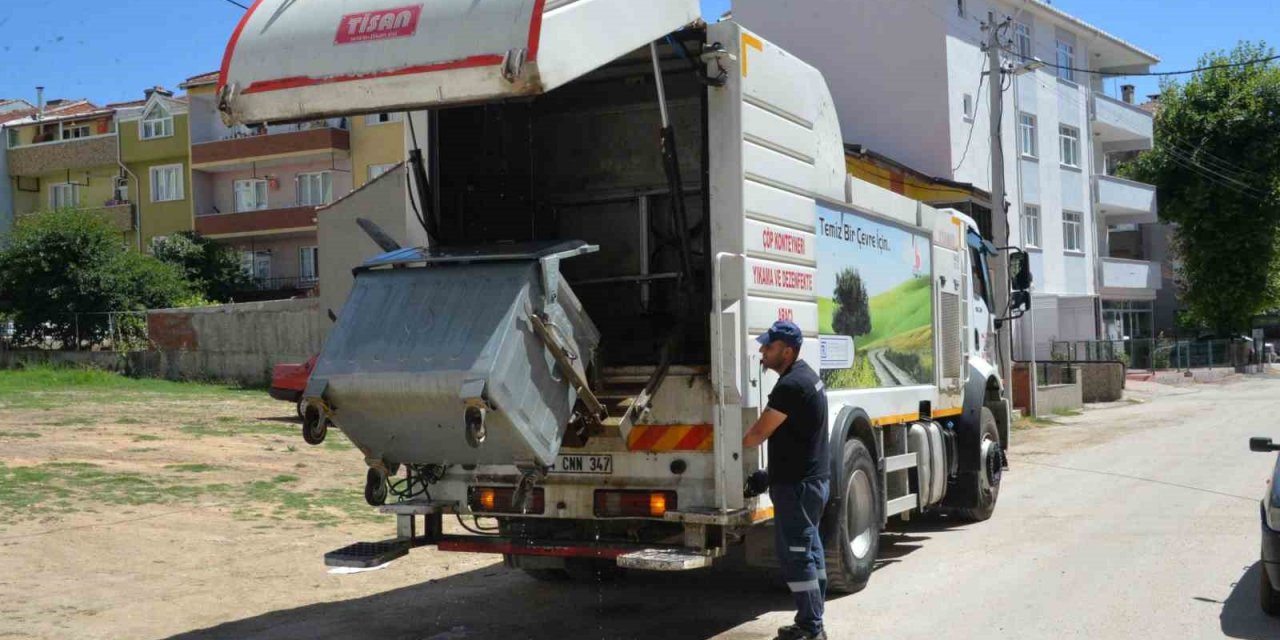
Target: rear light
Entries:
(633, 504)
(498, 500)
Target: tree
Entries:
(852, 316)
(62, 263)
(213, 269)
(1216, 166)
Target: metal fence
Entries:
(97, 331)
(1054, 373)
(1155, 353)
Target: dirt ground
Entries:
(150, 509)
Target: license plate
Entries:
(602, 465)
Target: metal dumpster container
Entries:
(431, 337)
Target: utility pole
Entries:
(999, 263)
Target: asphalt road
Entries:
(1139, 521)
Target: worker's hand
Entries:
(764, 427)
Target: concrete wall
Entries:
(343, 245)
(1059, 397)
(235, 342)
(1101, 381)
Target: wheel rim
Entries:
(858, 497)
(989, 478)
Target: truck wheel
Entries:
(987, 478)
(1269, 598)
(314, 426)
(851, 554)
(375, 488)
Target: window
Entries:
(1069, 139)
(376, 170)
(13, 138)
(308, 259)
(1022, 40)
(251, 195)
(256, 264)
(64, 196)
(157, 122)
(71, 132)
(981, 276)
(315, 188)
(1073, 231)
(1030, 225)
(960, 8)
(381, 118)
(166, 183)
(1066, 61)
(968, 106)
(121, 190)
(1027, 135)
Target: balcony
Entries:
(1130, 279)
(271, 148)
(77, 154)
(263, 222)
(1125, 201)
(1120, 126)
(119, 215)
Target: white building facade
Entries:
(907, 78)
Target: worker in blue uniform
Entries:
(795, 425)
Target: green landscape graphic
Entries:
(874, 286)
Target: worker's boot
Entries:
(793, 632)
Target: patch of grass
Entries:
(284, 478)
(141, 449)
(144, 437)
(192, 468)
(223, 429)
(128, 420)
(1067, 413)
(72, 421)
(43, 386)
(19, 434)
(1032, 422)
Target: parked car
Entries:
(1270, 582)
(288, 381)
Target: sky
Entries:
(111, 51)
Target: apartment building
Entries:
(154, 143)
(65, 155)
(10, 110)
(907, 79)
(257, 189)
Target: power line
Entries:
(1214, 160)
(238, 4)
(973, 122)
(1216, 178)
(1143, 73)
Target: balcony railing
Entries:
(283, 283)
(1130, 278)
(262, 221)
(234, 151)
(73, 155)
(1119, 125)
(1125, 201)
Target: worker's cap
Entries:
(783, 330)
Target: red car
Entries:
(288, 381)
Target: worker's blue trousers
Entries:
(797, 512)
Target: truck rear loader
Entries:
(616, 198)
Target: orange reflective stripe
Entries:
(670, 437)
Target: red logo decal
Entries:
(786, 314)
(399, 22)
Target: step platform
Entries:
(366, 555)
(666, 560)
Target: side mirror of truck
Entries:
(1262, 445)
(1019, 271)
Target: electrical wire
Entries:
(1182, 72)
(479, 532)
(973, 123)
(1227, 179)
(238, 4)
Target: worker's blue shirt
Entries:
(798, 447)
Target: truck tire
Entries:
(986, 481)
(851, 553)
(1269, 598)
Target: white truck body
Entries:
(782, 217)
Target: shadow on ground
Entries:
(1241, 616)
(496, 602)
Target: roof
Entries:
(861, 151)
(71, 110)
(207, 78)
(1044, 6)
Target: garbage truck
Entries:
(617, 197)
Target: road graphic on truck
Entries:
(873, 286)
